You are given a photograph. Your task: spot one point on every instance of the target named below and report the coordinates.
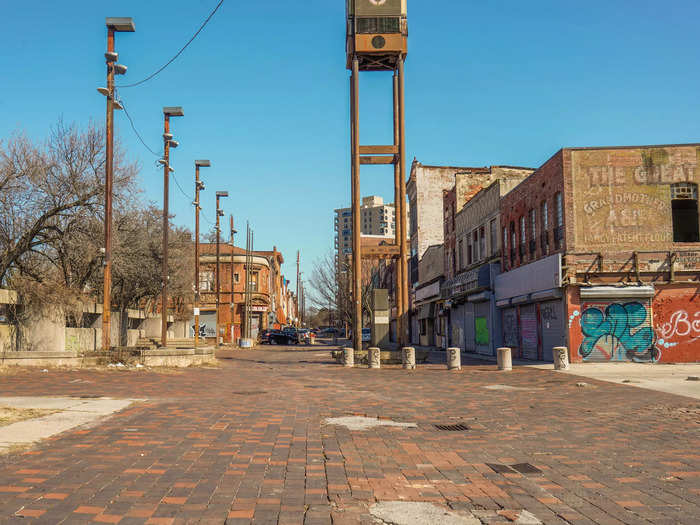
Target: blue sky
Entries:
(265, 92)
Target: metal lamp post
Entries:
(168, 142)
(114, 25)
(198, 186)
(219, 214)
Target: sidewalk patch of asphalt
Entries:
(365, 423)
(66, 414)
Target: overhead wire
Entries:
(133, 126)
(211, 15)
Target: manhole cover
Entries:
(452, 428)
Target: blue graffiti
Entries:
(621, 333)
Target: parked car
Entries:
(279, 337)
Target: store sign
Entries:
(258, 308)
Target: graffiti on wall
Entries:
(681, 327)
(618, 332)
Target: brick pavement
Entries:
(246, 443)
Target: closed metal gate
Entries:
(511, 334)
(528, 331)
(482, 323)
(469, 332)
(457, 326)
(553, 328)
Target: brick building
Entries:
(470, 307)
(273, 304)
(434, 193)
(602, 255)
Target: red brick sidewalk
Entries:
(247, 443)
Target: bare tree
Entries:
(331, 283)
(45, 190)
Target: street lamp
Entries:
(219, 214)
(114, 25)
(169, 111)
(198, 186)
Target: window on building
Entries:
(493, 248)
(684, 207)
(505, 240)
(482, 242)
(254, 281)
(522, 236)
(461, 254)
(470, 251)
(206, 281)
(545, 216)
(533, 231)
(513, 242)
(475, 242)
(236, 278)
(560, 210)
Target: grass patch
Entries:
(9, 415)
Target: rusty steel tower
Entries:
(377, 36)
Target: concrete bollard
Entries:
(375, 357)
(454, 359)
(505, 360)
(349, 357)
(561, 358)
(408, 355)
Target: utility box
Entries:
(380, 318)
(377, 32)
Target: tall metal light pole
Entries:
(168, 142)
(403, 247)
(198, 186)
(219, 214)
(114, 25)
(233, 283)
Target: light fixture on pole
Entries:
(198, 186)
(168, 112)
(114, 25)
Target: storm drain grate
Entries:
(249, 393)
(526, 468)
(498, 468)
(452, 428)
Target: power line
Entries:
(211, 15)
(136, 131)
(180, 187)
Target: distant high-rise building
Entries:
(376, 219)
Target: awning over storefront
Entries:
(617, 292)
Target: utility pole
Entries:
(233, 284)
(168, 142)
(298, 316)
(219, 214)
(198, 186)
(113, 25)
